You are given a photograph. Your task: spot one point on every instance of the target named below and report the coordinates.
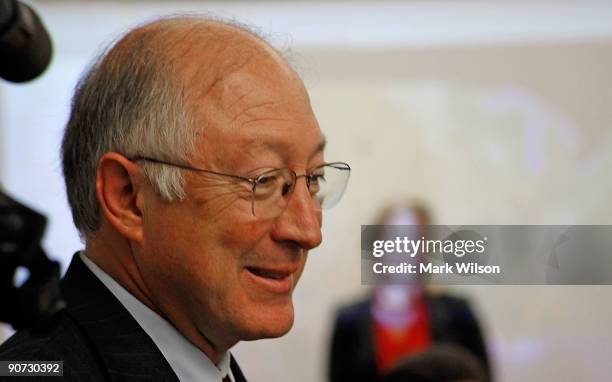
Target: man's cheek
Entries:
(244, 234)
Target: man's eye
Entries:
(266, 180)
(316, 178)
(314, 183)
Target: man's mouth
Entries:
(275, 280)
(270, 274)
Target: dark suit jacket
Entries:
(96, 337)
(352, 355)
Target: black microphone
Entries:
(25, 45)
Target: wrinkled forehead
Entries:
(259, 90)
(261, 111)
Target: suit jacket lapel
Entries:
(123, 346)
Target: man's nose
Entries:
(301, 221)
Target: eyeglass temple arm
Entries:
(184, 167)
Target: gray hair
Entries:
(130, 101)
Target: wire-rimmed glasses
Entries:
(272, 189)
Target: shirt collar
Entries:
(188, 362)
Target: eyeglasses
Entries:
(272, 189)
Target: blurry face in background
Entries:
(403, 216)
(208, 257)
(414, 219)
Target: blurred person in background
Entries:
(396, 320)
(195, 173)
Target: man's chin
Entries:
(268, 325)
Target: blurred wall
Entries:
(490, 113)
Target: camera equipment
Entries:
(25, 46)
(25, 51)
(34, 303)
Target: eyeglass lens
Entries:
(273, 189)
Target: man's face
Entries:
(207, 258)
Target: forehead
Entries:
(261, 109)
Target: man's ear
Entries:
(120, 194)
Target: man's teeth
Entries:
(267, 274)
